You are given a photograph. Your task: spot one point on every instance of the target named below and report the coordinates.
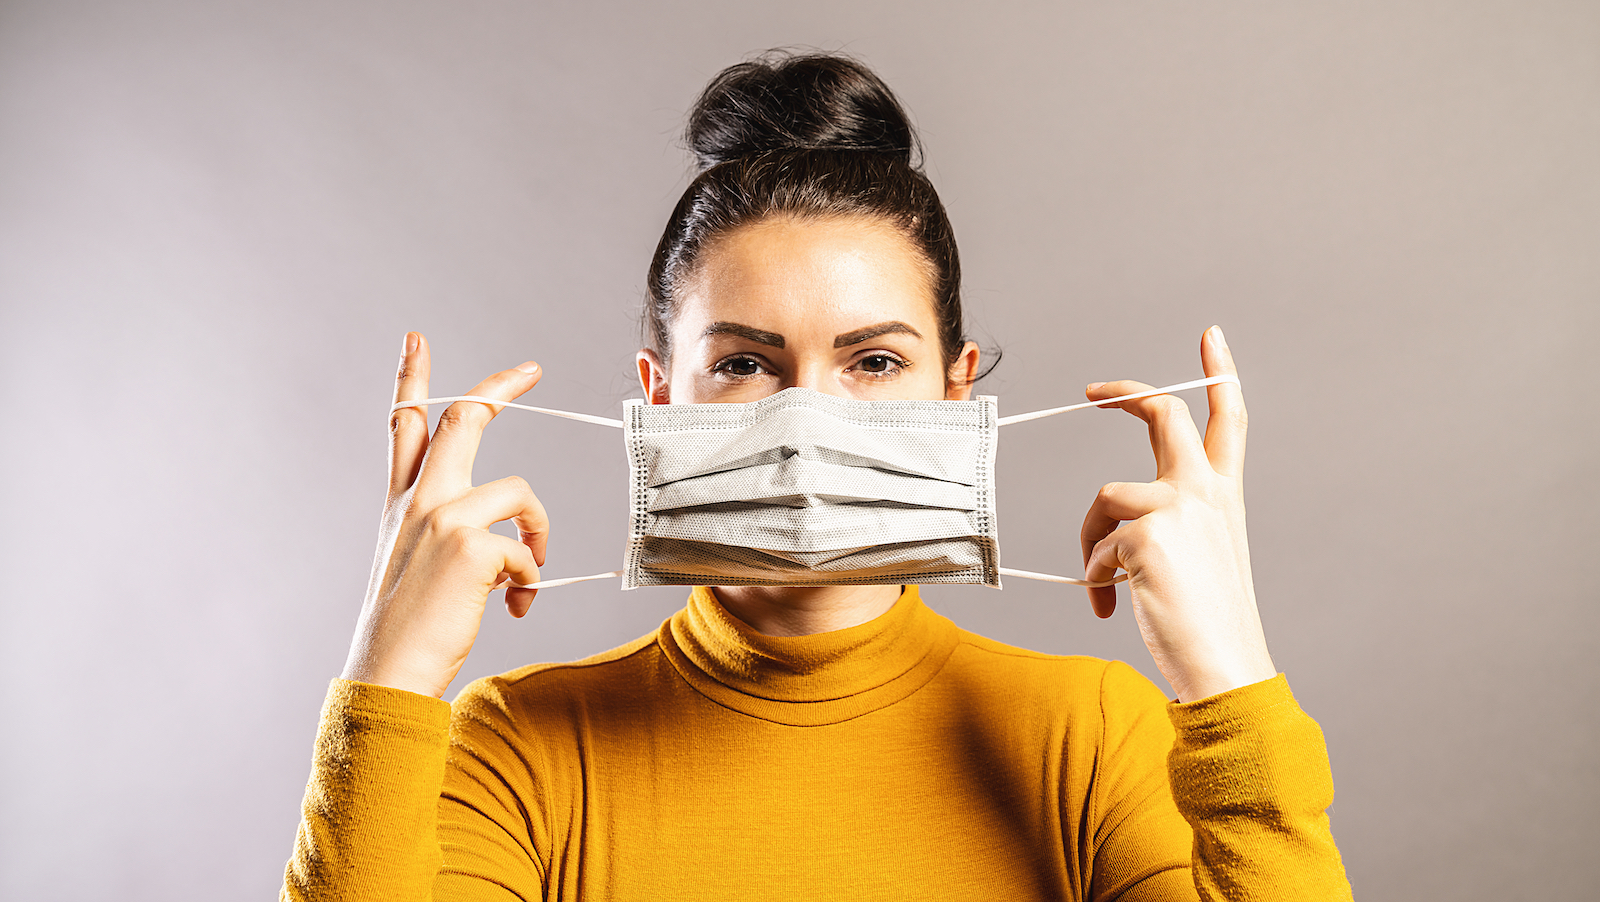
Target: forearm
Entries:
(1250, 774)
(368, 821)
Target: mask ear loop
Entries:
(1181, 386)
(566, 414)
(1041, 414)
(582, 417)
(1047, 578)
(1003, 421)
(552, 583)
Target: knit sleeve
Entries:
(370, 820)
(367, 821)
(1250, 774)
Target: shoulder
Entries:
(1112, 679)
(1110, 691)
(540, 691)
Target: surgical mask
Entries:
(806, 489)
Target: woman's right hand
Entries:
(437, 562)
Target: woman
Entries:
(826, 741)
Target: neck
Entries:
(805, 610)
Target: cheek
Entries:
(936, 385)
(682, 385)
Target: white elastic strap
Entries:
(566, 581)
(1181, 386)
(583, 417)
(1004, 571)
(1047, 578)
(1003, 421)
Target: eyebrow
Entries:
(860, 335)
(759, 336)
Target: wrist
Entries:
(367, 668)
(1215, 681)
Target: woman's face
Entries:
(841, 306)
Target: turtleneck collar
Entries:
(807, 680)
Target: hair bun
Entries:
(787, 101)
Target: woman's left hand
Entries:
(1182, 539)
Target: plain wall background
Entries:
(218, 219)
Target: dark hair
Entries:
(807, 135)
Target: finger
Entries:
(535, 535)
(504, 499)
(1116, 502)
(519, 600)
(447, 467)
(1226, 421)
(1173, 437)
(408, 426)
(1100, 565)
(1130, 500)
(515, 561)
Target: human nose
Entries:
(817, 376)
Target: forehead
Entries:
(789, 268)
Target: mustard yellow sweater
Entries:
(901, 759)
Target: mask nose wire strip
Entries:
(1038, 414)
(582, 417)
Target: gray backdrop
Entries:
(217, 220)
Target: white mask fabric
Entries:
(806, 489)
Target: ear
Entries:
(962, 373)
(653, 378)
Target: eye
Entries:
(882, 366)
(739, 367)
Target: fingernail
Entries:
(530, 367)
(409, 346)
(1216, 333)
(1094, 386)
